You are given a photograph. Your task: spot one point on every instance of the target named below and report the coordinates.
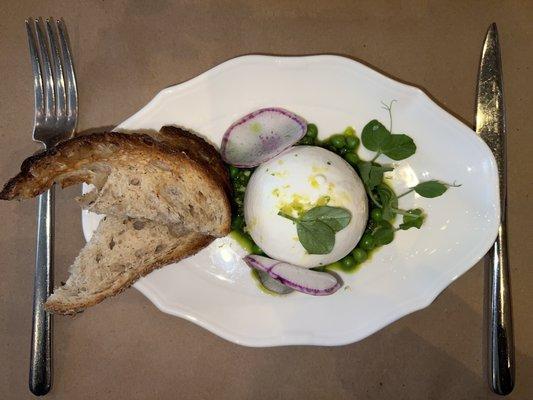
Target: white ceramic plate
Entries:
(214, 288)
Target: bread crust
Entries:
(64, 163)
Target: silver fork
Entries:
(56, 114)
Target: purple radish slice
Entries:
(271, 284)
(261, 136)
(305, 280)
(301, 279)
(260, 263)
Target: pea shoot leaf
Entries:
(388, 201)
(316, 228)
(336, 218)
(431, 189)
(372, 173)
(374, 135)
(398, 147)
(315, 236)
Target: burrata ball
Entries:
(295, 181)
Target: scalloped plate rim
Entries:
(410, 305)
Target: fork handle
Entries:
(41, 335)
(501, 344)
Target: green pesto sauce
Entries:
(243, 241)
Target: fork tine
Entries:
(72, 91)
(46, 69)
(36, 68)
(57, 65)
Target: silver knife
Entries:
(490, 126)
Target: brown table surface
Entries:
(125, 52)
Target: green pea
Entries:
(367, 242)
(376, 214)
(347, 262)
(233, 171)
(312, 131)
(352, 142)
(359, 255)
(349, 131)
(338, 141)
(343, 151)
(352, 158)
(383, 236)
(385, 224)
(256, 249)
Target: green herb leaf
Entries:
(336, 218)
(372, 173)
(388, 200)
(431, 189)
(316, 227)
(364, 171)
(374, 135)
(315, 236)
(398, 147)
(383, 235)
(413, 219)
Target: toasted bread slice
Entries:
(121, 251)
(166, 196)
(196, 147)
(134, 176)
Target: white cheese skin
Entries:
(296, 180)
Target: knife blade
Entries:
(491, 127)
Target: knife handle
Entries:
(501, 345)
(41, 334)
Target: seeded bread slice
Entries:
(121, 251)
(136, 176)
